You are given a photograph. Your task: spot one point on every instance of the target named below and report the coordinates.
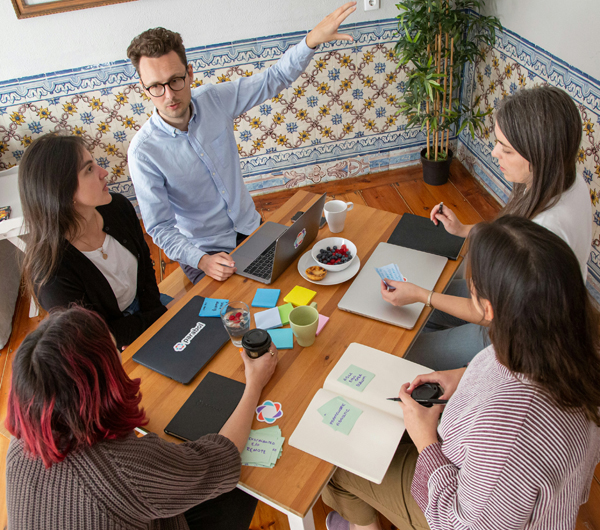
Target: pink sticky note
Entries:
(322, 321)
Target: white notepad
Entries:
(369, 448)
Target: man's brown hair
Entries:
(155, 43)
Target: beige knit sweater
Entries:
(132, 483)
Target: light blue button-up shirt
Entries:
(189, 183)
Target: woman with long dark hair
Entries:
(538, 133)
(519, 439)
(74, 461)
(85, 245)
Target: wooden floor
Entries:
(399, 191)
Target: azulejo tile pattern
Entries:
(337, 120)
(515, 63)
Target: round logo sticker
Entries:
(300, 238)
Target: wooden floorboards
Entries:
(399, 191)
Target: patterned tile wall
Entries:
(338, 119)
(514, 63)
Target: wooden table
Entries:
(296, 481)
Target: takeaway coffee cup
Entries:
(304, 321)
(256, 342)
(335, 213)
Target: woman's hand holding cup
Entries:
(259, 371)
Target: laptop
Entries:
(273, 247)
(182, 347)
(364, 295)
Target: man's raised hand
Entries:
(326, 30)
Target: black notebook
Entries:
(207, 409)
(184, 344)
(419, 233)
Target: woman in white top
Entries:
(85, 245)
(538, 134)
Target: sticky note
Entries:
(340, 415)
(263, 448)
(391, 272)
(212, 307)
(266, 297)
(300, 296)
(356, 378)
(268, 319)
(282, 338)
(284, 313)
(322, 321)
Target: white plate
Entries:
(332, 278)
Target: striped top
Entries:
(509, 459)
(127, 484)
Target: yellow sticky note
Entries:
(300, 296)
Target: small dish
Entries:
(332, 278)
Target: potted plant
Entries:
(438, 38)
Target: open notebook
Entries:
(368, 449)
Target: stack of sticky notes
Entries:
(263, 448)
(300, 296)
(212, 307)
(322, 321)
(340, 415)
(284, 313)
(282, 338)
(266, 298)
(268, 319)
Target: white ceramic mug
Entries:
(335, 213)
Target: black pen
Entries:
(441, 208)
(427, 401)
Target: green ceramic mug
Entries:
(304, 321)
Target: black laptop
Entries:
(184, 344)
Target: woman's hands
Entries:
(327, 29)
(259, 371)
(421, 422)
(450, 221)
(447, 379)
(405, 293)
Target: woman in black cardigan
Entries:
(85, 245)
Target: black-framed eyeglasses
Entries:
(176, 84)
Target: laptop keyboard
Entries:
(262, 267)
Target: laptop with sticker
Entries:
(273, 247)
(182, 347)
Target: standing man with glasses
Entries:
(184, 161)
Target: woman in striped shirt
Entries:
(519, 439)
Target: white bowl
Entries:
(333, 242)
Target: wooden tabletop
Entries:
(298, 478)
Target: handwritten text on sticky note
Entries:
(356, 378)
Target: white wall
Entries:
(567, 29)
(101, 34)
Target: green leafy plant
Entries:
(437, 38)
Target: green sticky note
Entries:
(356, 378)
(284, 313)
(263, 448)
(331, 406)
(341, 415)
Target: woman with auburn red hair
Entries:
(75, 462)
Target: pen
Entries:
(441, 209)
(429, 401)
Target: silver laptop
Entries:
(273, 247)
(364, 295)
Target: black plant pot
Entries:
(436, 173)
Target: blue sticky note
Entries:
(212, 307)
(268, 319)
(282, 338)
(266, 298)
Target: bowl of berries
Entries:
(334, 253)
